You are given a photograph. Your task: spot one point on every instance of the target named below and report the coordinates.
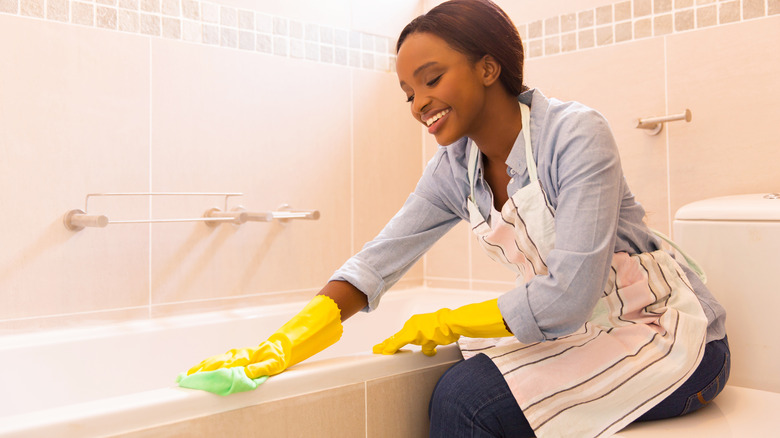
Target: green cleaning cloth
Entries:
(222, 381)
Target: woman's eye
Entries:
(434, 81)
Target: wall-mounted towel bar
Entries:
(655, 124)
(78, 219)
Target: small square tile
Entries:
(129, 4)
(312, 51)
(211, 34)
(296, 29)
(367, 61)
(9, 6)
(190, 9)
(341, 37)
(326, 35)
(191, 31)
(312, 32)
(209, 12)
(150, 6)
(129, 21)
(569, 42)
(367, 42)
(623, 31)
(586, 39)
(551, 26)
(106, 17)
(535, 29)
(662, 25)
(642, 8)
(623, 11)
(280, 46)
(535, 48)
(354, 39)
(29, 8)
(707, 16)
(246, 40)
(228, 16)
(568, 22)
(57, 10)
(354, 58)
(585, 19)
(150, 24)
(82, 13)
(171, 28)
(280, 26)
(604, 15)
(246, 20)
(752, 9)
(264, 23)
(679, 4)
(773, 7)
(643, 28)
(228, 37)
(661, 6)
(264, 43)
(170, 8)
(729, 12)
(683, 20)
(604, 35)
(552, 45)
(326, 54)
(341, 56)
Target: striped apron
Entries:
(645, 337)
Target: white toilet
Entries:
(736, 240)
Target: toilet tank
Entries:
(736, 240)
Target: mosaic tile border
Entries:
(631, 20)
(213, 24)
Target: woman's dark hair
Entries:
(475, 28)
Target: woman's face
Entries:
(445, 89)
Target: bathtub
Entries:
(118, 379)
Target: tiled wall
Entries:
(285, 102)
(218, 24)
(642, 58)
(626, 21)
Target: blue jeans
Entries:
(472, 399)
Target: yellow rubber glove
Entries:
(315, 328)
(445, 326)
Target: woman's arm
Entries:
(349, 298)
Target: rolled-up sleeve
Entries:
(584, 177)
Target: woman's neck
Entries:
(499, 126)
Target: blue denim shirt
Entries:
(596, 215)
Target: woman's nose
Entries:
(420, 104)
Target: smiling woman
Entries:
(602, 328)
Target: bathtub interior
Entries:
(53, 369)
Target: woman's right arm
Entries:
(349, 298)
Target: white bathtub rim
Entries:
(158, 407)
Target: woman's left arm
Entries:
(586, 176)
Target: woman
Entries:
(603, 328)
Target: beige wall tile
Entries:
(552, 26)
(569, 42)
(661, 6)
(234, 121)
(568, 22)
(773, 7)
(643, 156)
(623, 31)
(730, 147)
(337, 412)
(386, 167)
(643, 28)
(604, 15)
(75, 111)
(586, 39)
(398, 406)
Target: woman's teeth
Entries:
(433, 119)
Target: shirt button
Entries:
(512, 172)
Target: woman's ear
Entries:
(491, 70)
